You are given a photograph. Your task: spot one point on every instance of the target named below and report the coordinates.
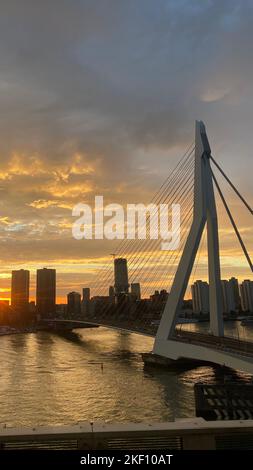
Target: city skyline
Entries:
(73, 285)
(236, 296)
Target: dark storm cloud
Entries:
(107, 77)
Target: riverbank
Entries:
(8, 330)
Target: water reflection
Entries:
(58, 379)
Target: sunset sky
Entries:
(100, 97)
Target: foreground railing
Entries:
(188, 434)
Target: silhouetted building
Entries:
(5, 316)
(164, 295)
(246, 290)
(136, 290)
(74, 303)
(122, 301)
(32, 307)
(161, 296)
(154, 296)
(20, 290)
(61, 310)
(236, 293)
(200, 297)
(111, 294)
(228, 299)
(121, 284)
(46, 292)
(99, 304)
(157, 302)
(86, 293)
(85, 307)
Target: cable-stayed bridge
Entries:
(191, 184)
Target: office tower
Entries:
(46, 292)
(85, 305)
(74, 303)
(200, 297)
(136, 290)
(20, 290)
(228, 298)
(235, 287)
(86, 294)
(121, 284)
(111, 294)
(246, 290)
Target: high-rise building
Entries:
(121, 284)
(228, 297)
(85, 305)
(246, 290)
(136, 290)
(200, 297)
(235, 287)
(74, 303)
(86, 293)
(46, 292)
(20, 290)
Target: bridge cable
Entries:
(171, 262)
(151, 244)
(130, 243)
(105, 310)
(127, 243)
(233, 222)
(178, 177)
(232, 185)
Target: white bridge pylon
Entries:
(204, 213)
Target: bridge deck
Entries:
(226, 344)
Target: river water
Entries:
(93, 374)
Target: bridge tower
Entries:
(204, 213)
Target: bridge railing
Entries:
(229, 344)
(188, 434)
